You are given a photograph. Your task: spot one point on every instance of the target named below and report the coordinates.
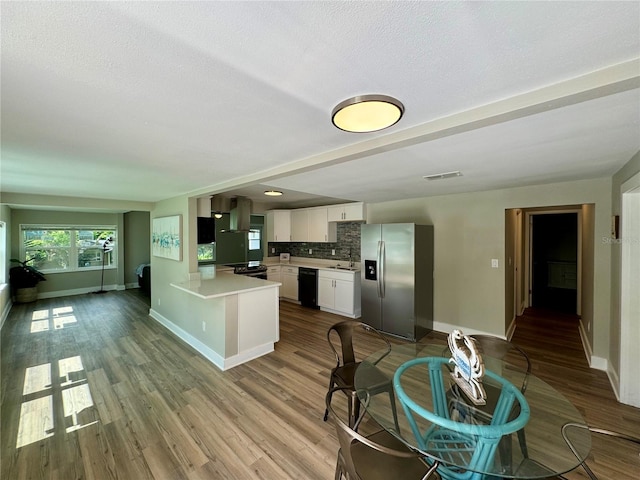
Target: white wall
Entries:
(470, 230)
(168, 304)
(625, 173)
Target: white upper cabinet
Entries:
(314, 224)
(300, 225)
(279, 226)
(347, 212)
(319, 228)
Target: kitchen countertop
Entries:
(320, 265)
(224, 284)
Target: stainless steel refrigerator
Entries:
(397, 278)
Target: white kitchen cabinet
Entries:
(339, 292)
(289, 279)
(300, 225)
(274, 273)
(346, 212)
(279, 226)
(311, 225)
(319, 228)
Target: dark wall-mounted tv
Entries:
(206, 230)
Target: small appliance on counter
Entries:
(284, 257)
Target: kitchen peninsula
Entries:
(238, 317)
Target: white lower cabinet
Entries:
(339, 292)
(273, 273)
(289, 279)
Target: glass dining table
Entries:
(540, 450)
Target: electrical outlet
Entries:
(310, 251)
(273, 250)
(333, 252)
(204, 326)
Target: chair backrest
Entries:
(469, 446)
(347, 435)
(345, 331)
(634, 442)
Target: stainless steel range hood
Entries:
(240, 215)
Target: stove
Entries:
(251, 269)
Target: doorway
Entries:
(554, 261)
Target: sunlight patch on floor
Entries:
(61, 316)
(37, 414)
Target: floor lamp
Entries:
(107, 247)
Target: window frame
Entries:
(73, 248)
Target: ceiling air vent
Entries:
(442, 176)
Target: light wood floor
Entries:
(92, 388)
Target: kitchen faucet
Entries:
(350, 260)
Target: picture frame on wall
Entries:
(166, 237)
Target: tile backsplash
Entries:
(348, 236)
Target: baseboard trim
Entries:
(78, 291)
(208, 353)
(448, 328)
(512, 329)
(597, 363)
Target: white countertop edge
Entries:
(215, 287)
(317, 266)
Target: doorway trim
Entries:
(629, 387)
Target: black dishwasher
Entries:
(308, 287)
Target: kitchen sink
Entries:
(342, 267)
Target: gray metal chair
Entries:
(624, 438)
(379, 456)
(343, 374)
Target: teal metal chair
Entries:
(466, 449)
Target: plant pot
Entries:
(26, 295)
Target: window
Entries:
(205, 252)
(254, 239)
(56, 248)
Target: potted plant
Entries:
(24, 281)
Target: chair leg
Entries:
(339, 470)
(523, 443)
(326, 411)
(354, 409)
(392, 399)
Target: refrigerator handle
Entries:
(378, 255)
(381, 259)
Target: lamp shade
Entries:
(367, 113)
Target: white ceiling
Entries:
(144, 101)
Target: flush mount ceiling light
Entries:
(442, 176)
(367, 113)
(272, 193)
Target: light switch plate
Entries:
(494, 263)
